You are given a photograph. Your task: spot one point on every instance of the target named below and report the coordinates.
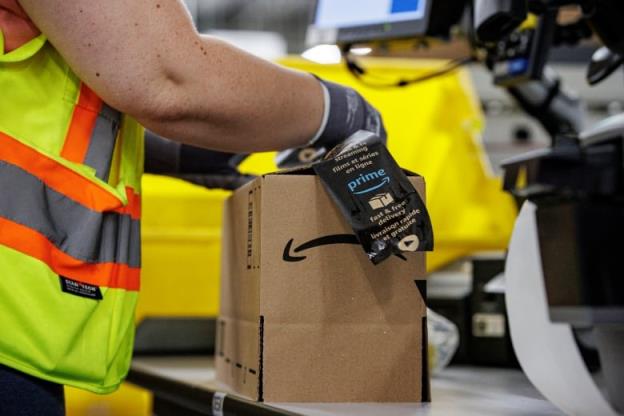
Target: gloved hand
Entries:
(346, 112)
(207, 168)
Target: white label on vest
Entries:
(84, 290)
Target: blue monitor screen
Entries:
(354, 13)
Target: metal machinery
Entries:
(575, 187)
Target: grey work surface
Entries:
(461, 391)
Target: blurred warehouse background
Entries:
(272, 28)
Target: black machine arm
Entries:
(517, 56)
(558, 111)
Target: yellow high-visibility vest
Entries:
(70, 248)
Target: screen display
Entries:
(335, 14)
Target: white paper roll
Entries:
(547, 352)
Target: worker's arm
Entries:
(145, 58)
(204, 167)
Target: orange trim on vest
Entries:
(31, 243)
(133, 208)
(65, 181)
(82, 124)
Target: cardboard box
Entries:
(305, 316)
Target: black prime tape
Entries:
(382, 206)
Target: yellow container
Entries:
(181, 249)
(127, 401)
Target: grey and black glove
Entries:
(211, 169)
(346, 112)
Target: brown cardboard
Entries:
(328, 328)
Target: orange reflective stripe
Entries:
(31, 243)
(133, 208)
(61, 178)
(81, 126)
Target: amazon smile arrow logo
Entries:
(289, 253)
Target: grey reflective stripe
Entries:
(85, 235)
(102, 143)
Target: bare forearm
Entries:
(144, 57)
(226, 99)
